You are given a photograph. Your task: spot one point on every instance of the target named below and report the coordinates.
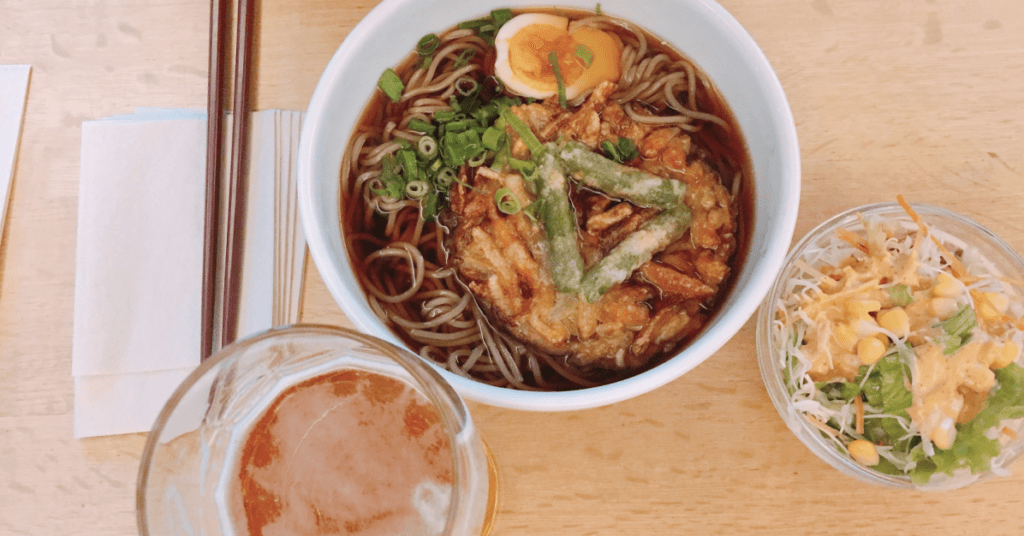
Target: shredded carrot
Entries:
(859, 404)
(821, 426)
(954, 263)
(1010, 433)
(853, 239)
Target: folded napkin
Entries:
(138, 279)
(13, 90)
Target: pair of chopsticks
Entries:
(222, 281)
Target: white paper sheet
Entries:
(13, 93)
(138, 279)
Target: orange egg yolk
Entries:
(529, 51)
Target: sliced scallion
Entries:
(427, 44)
(427, 147)
(466, 86)
(444, 116)
(585, 55)
(523, 130)
(501, 16)
(419, 125)
(553, 60)
(410, 167)
(416, 189)
(492, 138)
(464, 58)
(477, 160)
(611, 151)
(445, 178)
(507, 201)
(391, 85)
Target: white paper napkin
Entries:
(138, 279)
(13, 90)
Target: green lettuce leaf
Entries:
(972, 449)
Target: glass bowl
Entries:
(970, 240)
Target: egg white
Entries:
(502, 67)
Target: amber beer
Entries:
(346, 452)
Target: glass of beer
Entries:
(314, 430)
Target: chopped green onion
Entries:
(473, 24)
(394, 185)
(466, 86)
(408, 160)
(391, 85)
(499, 86)
(492, 138)
(427, 147)
(477, 160)
(444, 116)
(507, 201)
(445, 178)
(621, 152)
(428, 205)
(611, 151)
(526, 168)
(523, 130)
(585, 55)
(553, 60)
(464, 58)
(900, 295)
(597, 10)
(628, 150)
(458, 126)
(416, 189)
(427, 44)
(487, 33)
(419, 125)
(501, 16)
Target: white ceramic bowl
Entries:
(700, 29)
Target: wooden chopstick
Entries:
(237, 190)
(222, 282)
(220, 27)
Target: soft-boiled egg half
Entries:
(586, 57)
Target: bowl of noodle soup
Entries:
(444, 277)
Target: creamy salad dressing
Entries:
(894, 340)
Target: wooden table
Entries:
(922, 98)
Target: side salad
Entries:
(902, 345)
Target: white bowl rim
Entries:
(722, 328)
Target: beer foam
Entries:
(349, 451)
(432, 502)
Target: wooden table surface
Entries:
(922, 97)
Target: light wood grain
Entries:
(922, 98)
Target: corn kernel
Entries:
(1007, 354)
(870, 350)
(943, 308)
(861, 308)
(895, 320)
(992, 305)
(845, 337)
(864, 452)
(947, 286)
